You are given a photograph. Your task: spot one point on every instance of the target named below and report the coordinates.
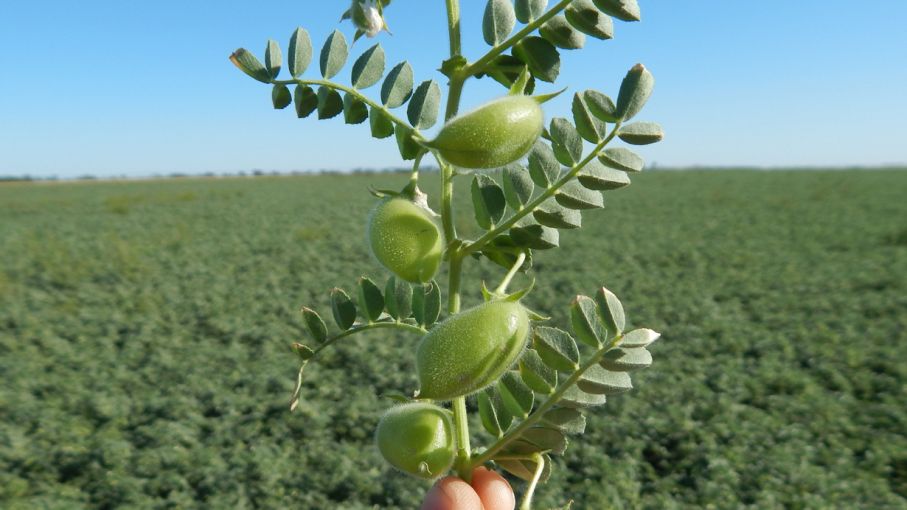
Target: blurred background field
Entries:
(145, 330)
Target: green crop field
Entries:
(145, 331)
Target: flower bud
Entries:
(368, 17)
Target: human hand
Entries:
(488, 491)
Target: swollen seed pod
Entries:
(495, 134)
(417, 438)
(471, 349)
(405, 239)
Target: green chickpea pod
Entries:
(495, 134)
(405, 239)
(417, 438)
(470, 350)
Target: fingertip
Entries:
(493, 490)
(452, 493)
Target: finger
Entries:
(452, 493)
(493, 490)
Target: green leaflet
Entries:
(343, 308)
(273, 58)
(398, 86)
(498, 21)
(333, 54)
(487, 200)
(368, 68)
(371, 301)
(300, 52)
(556, 348)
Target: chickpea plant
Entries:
(532, 383)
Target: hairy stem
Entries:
(479, 243)
(550, 402)
(461, 422)
(530, 490)
(502, 288)
(358, 328)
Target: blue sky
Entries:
(111, 88)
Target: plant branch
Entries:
(530, 490)
(359, 327)
(358, 95)
(479, 243)
(479, 65)
(552, 400)
(510, 274)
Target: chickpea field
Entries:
(145, 330)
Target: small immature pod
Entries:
(417, 438)
(493, 135)
(405, 239)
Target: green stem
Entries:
(358, 95)
(366, 327)
(510, 274)
(530, 490)
(550, 402)
(479, 243)
(479, 65)
(414, 176)
(461, 427)
(461, 422)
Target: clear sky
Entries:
(143, 88)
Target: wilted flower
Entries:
(368, 17)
